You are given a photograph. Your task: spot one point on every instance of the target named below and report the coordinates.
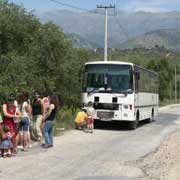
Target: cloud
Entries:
(151, 5)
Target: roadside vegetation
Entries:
(36, 56)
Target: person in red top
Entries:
(9, 113)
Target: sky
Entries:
(126, 5)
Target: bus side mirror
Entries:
(137, 75)
(80, 74)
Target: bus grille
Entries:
(105, 114)
(106, 106)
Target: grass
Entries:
(64, 120)
(168, 102)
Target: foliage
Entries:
(36, 56)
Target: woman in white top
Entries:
(24, 110)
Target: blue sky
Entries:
(127, 5)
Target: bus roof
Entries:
(109, 62)
(118, 63)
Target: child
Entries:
(91, 116)
(80, 120)
(6, 145)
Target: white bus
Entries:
(120, 91)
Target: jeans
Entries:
(24, 125)
(48, 132)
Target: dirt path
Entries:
(164, 164)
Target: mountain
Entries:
(121, 27)
(80, 42)
(169, 38)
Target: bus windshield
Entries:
(108, 78)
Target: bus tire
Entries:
(150, 120)
(133, 124)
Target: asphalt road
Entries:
(112, 152)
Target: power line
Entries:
(121, 27)
(77, 8)
(69, 5)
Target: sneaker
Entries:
(4, 155)
(30, 146)
(20, 147)
(45, 146)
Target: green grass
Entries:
(168, 102)
(65, 119)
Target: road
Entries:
(110, 153)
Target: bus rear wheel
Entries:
(151, 118)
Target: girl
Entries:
(49, 121)
(6, 145)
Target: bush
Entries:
(65, 119)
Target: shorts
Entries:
(90, 120)
(81, 125)
(24, 125)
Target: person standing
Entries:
(29, 112)
(9, 113)
(91, 112)
(37, 112)
(24, 110)
(46, 103)
(49, 121)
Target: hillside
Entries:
(168, 38)
(90, 26)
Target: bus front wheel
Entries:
(133, 124)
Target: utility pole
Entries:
(106, 28)
(175, 84)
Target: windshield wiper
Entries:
(91, 90)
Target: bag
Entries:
(16, 120)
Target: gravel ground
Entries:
(102, 153)
(164, 163)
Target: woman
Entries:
(29, 111)
(37, 112)
(49, 121)
(24, 110)
(9, 113)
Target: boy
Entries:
(80, 120)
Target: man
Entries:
(80, 120)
